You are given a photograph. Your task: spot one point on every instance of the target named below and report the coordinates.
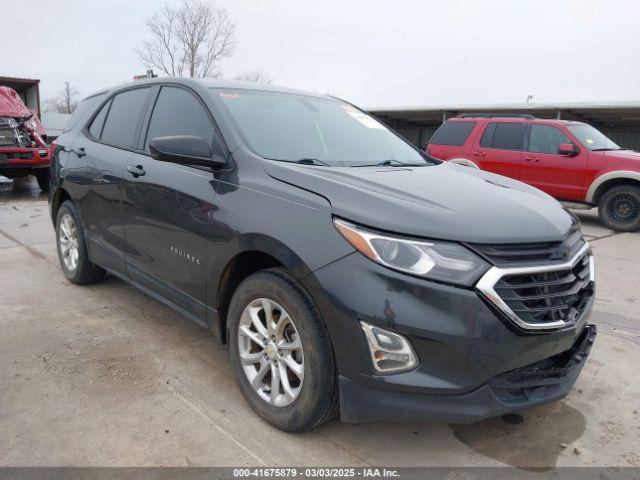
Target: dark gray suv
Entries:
(344, 269)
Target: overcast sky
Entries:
(372, 52)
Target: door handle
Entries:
(135, 170)
(532, 159)
(479, 154)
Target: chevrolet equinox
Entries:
(344, 269)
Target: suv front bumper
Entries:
(543, 382)
(468, 353)
(20, 161)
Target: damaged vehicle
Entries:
(23, 147)
(345, 270)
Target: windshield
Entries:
(312, 130)
(591, 138)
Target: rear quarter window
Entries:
(83, 111)
(96, 126)
(452, 133)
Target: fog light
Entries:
(390, 352)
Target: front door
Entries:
(561, 176)
(168, 208)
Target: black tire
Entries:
(43, 180)
(619, 208)
(84, 272)
(317, 401)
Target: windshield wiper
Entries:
(312, 161)
(385, 163)
(604, 149)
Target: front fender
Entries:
(599, 181)
(253, 242)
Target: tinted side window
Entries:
(96, 126)
(453, 133)
(546, 139)
(503, 136)
(83, 110)
(178, 112)
(124, 116)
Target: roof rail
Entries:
(494, 115)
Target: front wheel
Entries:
(280, 352)
(619, 208)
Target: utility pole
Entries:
(67, 96)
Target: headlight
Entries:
(443, 261)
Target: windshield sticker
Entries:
(228, 95)
(589, 141)
(365, 120)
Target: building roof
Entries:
(54, 123)
(590, 112)
(16, 81)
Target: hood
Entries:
(444, 201)
(11, 104)
(625, 154)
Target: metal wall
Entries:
(416, 134)
(626, 137)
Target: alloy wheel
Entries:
(271, 353)
(68, 239)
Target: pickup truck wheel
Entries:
(280, 352)
(43, 180)
(619, 208)
(72, 249)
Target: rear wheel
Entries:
(619, 208)
(280, 352)
(72, 249)
(43, 180)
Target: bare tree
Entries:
(253, 76)
(188, 40)
(65, 102)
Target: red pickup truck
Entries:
(571, 161)
(23, 147)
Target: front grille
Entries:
(542, 297)
(504, 255)
(551, 296)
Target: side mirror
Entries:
(568, 149)
(185, 150)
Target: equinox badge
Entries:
(185, 255)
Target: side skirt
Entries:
(211, 313)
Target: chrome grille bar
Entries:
(487, 284)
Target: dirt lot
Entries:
(103, 375)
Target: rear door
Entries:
(97, 174)
(499, 149)
(561, 176)
(168, 207)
